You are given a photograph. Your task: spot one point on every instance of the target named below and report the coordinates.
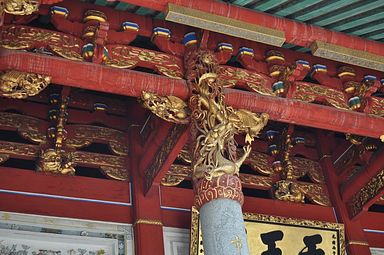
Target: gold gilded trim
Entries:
(148, 222)
(224, 25)
(347, 55)
(354, 242)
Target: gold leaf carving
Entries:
(259, 162)
(129, 57)
(256, 181)
(18, 37)
(296, 192)
(56, 162)
(21, 7)
(169, 108)
(171, 180)
(20, 85)
(256, 82)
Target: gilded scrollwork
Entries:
(232, 76)
(316, 193)
(169, 108)
(19, 37)
(259, 163)
(310, 92)
(20, 85)
(112, 166)
(27, 127)
(256, 181)
(21, 7)
(184, 155)
(171, 180)
(83, 135)
(369, 191)
(18, 149)
(377, 106)
(129, 57)
(304, 166)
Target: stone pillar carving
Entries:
(215, 162)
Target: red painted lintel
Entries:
(297, 33)
(131, 83)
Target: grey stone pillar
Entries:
(222, 227)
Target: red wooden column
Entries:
(356, 241)
(148, 226)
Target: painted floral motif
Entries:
(14, 249)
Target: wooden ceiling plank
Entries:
(270, 4)
(324, 10)
(349, 13)
(296, 7)
(358, 22)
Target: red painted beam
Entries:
(131, 83)
(295, 32)
(373, 221)
(375, 240)
(311, 115)
(92, 76)
(66, 186)
(26, 191)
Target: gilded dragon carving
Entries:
(214, 124)
(20, 85)
(169, 108)
(287, 190)
(56, 162)
(20, 7)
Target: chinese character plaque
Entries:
(272, 235)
